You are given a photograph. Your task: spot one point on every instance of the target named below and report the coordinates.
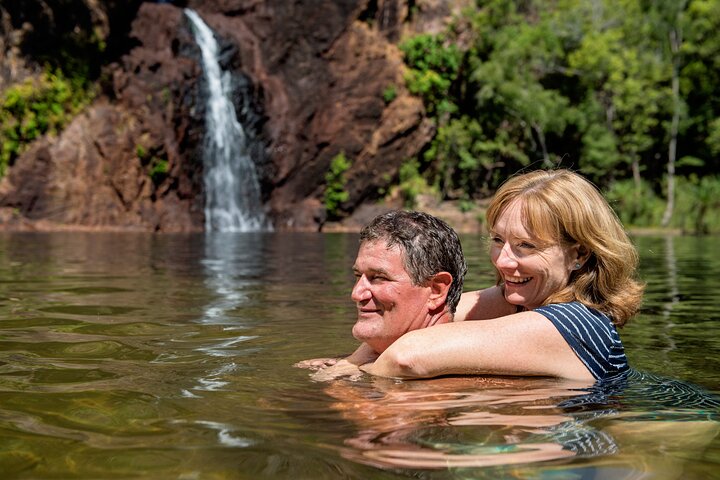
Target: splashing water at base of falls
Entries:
(232, 190)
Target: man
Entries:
(409, 274)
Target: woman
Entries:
(565, 280)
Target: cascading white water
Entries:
(232, 190)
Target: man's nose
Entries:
(361, 290)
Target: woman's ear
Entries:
(580, 255)
(439, 287)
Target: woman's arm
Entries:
(524, 343)
(363, 354)
(483, 305)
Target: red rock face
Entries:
(316, 80)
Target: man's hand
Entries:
(332, 368)
(317, 363)
(342, 368)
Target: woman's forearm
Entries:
(362, 355)
(483, 305)
(402, 360)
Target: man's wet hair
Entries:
(429, 246)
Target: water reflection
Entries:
(232, 262)
(673, 293)
(453, 422)
(464, 422)
(679, 309)
(170, 356)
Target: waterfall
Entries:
(232, 189)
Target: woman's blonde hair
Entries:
(562, 207)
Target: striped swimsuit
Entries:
(591, 335)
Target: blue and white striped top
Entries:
(591, 335)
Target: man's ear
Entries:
(439, 286)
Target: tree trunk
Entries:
(675, 42)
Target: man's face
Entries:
(388, 303)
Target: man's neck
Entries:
(443, 316)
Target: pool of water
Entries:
(171, 356)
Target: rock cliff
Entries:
(311, 77)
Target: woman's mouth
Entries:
(517, 280)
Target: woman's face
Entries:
(530, 269)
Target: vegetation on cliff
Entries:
(64, 44)
(627, 91)
(39, 106)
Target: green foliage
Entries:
(698, 204)
(157, 164)
(390, 94)
(37, 107)
(713, 138)
(635, 205)
(412, 184)
(434, 66)
(697, 208)
(462, 153)
(466, 205)
(159, 169)
(588, 85)
(335, 193)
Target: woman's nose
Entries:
(360, 291)
(506, 258)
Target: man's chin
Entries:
(362, 334)
(370, 336)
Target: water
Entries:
(232, 190)
(171, 357)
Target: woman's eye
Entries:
(497, 240)
(527, 247)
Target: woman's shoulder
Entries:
(575, 310)
(591, 334)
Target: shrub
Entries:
(37, 107)
(335, 193)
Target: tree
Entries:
(666, 18)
